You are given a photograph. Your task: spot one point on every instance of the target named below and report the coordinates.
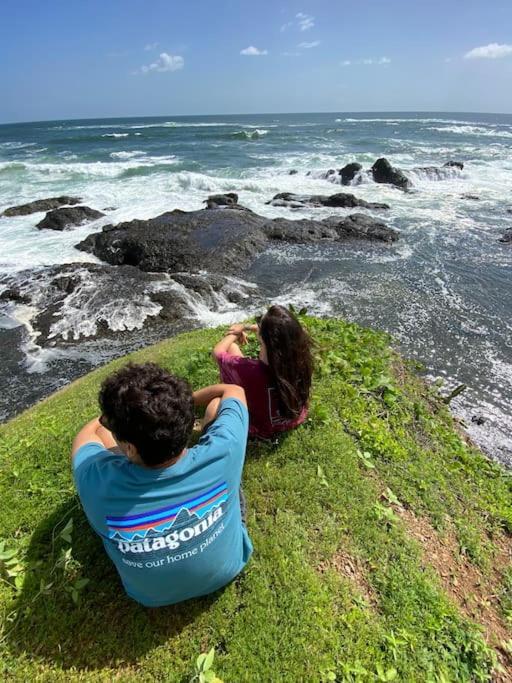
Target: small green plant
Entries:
(204, 672)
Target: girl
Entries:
(277, 384)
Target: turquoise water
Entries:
(444, 290)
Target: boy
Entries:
(169, 517)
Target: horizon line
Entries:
(275, 113)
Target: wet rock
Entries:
(454, 164)
(217, 241)
(293, 171)
(507, 236)
(14, 295)
(384, 172)
(80, 301)
(341, 199)
(60, 219)
(361, 226)
(478, 419)
(472, 197)
(349, 172)
(216, 200)
(41, 205)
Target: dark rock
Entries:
(472, 197)
(41, 205)
(437, 172)
(349, 172)
(509, 210)
(216, 200)
(341, 199)
(383, 172)
(456, 164)
(361, 226)
(293, 171)
(478, 419)
(12, 294)
(507, 236)
(60, 219)
(217, 241)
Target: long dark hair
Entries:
(289, 358)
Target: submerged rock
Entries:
(383, 172)
(60, 219)
(216, 200)
(507, 236)
(341, 199)
(454, 164)
(217, 241)
(41, 205)
(349, 172)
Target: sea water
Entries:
(443, 290)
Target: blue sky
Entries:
(80, 59)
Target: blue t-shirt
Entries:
(176, 532)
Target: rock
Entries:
(216, 241)
(216, 200)
(472, 197)
(456, 164)
(293, 171)
(60, 219)
(383, 172)
(478, 419)
(41, 205)
(436, 172)
(87, 300)
(361, 226)
(349, 172)
(507, 236)
(341, 199)
(509, 210)
(13, 294)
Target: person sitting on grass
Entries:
(169, 516)
(278, 383)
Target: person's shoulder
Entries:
(94, 455)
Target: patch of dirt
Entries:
(353, 570)
(473, 592)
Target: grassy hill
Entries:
(382, 542)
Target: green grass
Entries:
(291, 616)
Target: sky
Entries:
(117, 58)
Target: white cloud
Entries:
(286, 26)
(307, 46)
(150, 46)
(252, 51)
(491, 51)
(305, 21)
(367, 61)
(165, 62)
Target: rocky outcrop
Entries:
(454, 164)
(216, 200)
(86, 300)
(507, 236)
(349, 172)
(60, 219)
(361, 226)
(41, 205)
(384, 172)
(217, 240)
(341, 199)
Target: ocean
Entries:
(443, 291)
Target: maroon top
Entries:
(262, 400)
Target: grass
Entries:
(323, 498)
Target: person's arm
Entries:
(93, 432)
(202, 397)
(235, 335)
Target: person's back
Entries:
(173, 529)
(278, 382)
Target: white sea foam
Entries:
(128, 155)
(115, 135)
(472, 130)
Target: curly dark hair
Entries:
(150, 408)
(289, 358)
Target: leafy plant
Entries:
(204, 672)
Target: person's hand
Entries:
(237, 329)
(251, 328)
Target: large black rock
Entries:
(41, 205)
(349, 172)
(60, 219)
(340, 199)
(383, 172)
(216, 240)
(507, 236)
(229, 199)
